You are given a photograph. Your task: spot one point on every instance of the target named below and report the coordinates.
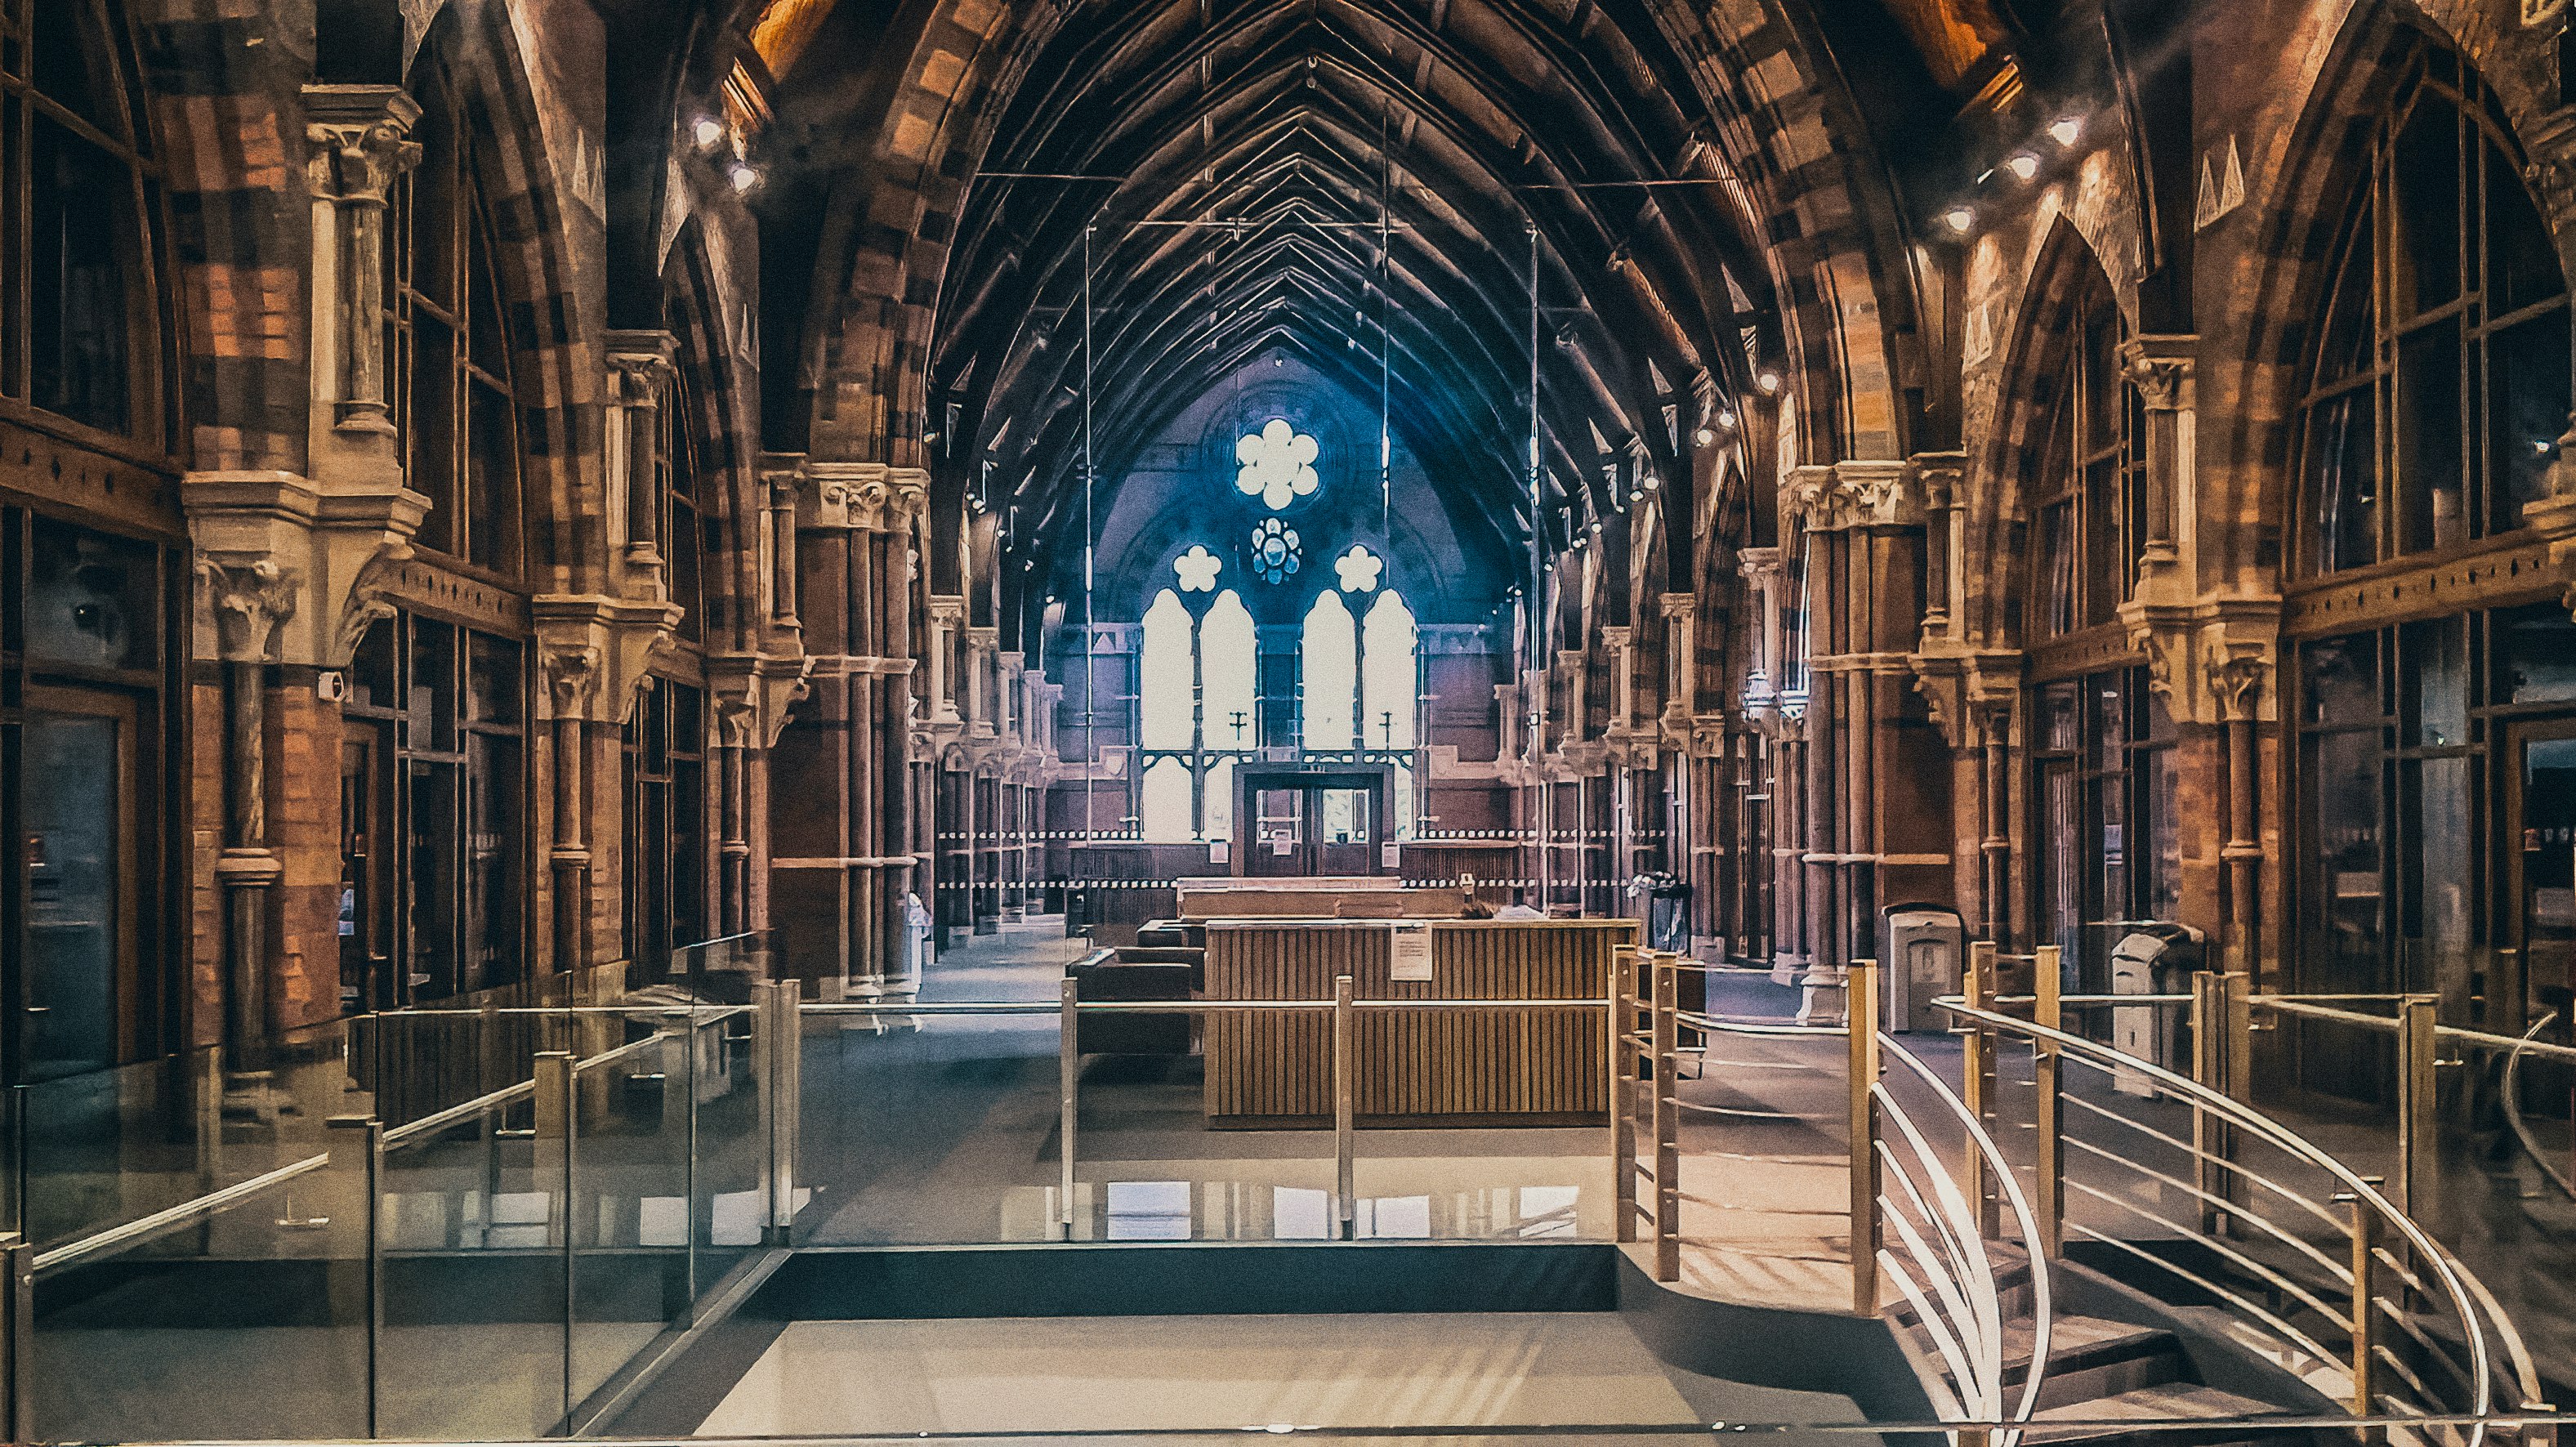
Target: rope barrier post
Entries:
(1863, 985)
(1345, 1203)
(1623, 1089)
(780, 1033)
(1976, 1077)
(369, 1137)
(2365, 1299)
(2048, 1102)
(18, 1317)
(557, 1120)
(1068, 1081)
(2418, 1145)
(1668, 1145)
(2220, 1061)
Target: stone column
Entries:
(641, 371)
(360, 140)
(248, 598)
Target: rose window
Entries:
(1275, 551)
(1278, 464)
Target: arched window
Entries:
(2428, 748)
(449, 346)
(2101, 741)
(2439, 380)
(1168, 703)
(2086, 520)
(1389, 682)
(1194, 708)
(77, 319)
(1331, 681)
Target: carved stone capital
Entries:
(2553, 517)
(1760, 567)
(248, 598)
(361, 140)
(642, 365)
(571, 672)
(2163, 368)
(596, 651)
(864, 496)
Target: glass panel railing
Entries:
(470, 1225)
(943, 1122)
(633, 1106)
(241, 1313)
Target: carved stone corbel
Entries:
(2553, 517)
(338, 544)
(620, 636)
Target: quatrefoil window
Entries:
(1275, 551)
(1197, 570)
(1278, 464)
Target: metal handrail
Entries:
(1961, 1220)
(2443, 1268)
(185, 1213)
(2513, 1107)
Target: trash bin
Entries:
(1923, 949)
(916, 945)
(2152, 957)
(1667, 912)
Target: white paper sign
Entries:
(1408, 955)
(1390, 856)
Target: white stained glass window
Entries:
(1388, 687)
(1167, 802)
(1278, 464)
(1166, 690)
(1331, 660)
(1228, 660)
(1218, 803)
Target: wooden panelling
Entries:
(1413, 1067)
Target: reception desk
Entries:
(1411, 1068)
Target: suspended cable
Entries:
(1540, 791)
(1385, 349)
(1090, 545)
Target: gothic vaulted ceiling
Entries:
(982, 216)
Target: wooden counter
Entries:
(1450, 1067)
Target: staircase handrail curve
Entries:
(2513, 1107)
(2446, 1268)
(2025, 1221)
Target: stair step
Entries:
(2182, 1404)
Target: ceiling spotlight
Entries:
(1704, 437)
(1653, 481)
(1961, 219)
(1596, 525)
(708, 132)
(743, 178)
(2024, 165)
(1768, 381)
(1637, 493)
(1726, 418)
(2066, 130)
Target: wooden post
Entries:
(1863, 985)
(1623, 1089)
(1976, 1078)
(1668, 1155)
(2048, 1104)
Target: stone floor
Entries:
(1229, 1374)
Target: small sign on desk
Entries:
(1408, 953)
